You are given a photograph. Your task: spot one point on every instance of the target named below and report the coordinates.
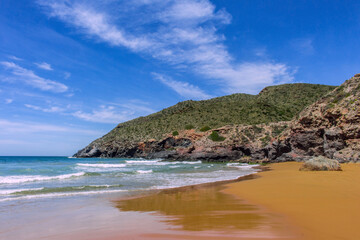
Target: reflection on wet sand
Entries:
(206, 209)
(198, 210)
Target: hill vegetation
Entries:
(272, 104)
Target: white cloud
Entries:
(15, 58)
(260, 52)
(192, 11)
(111, 113)
(136, 105)
(258, 74)
(180, 33)
(67, 75)
(116, 112)
(304, 46)
(44, 65)
(52, 109)
(184, 89)
(93, 23)
(7, 127)
(105, 114)
(30, 78)
(8, 100)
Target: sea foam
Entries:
(12, 191)
(66, 194)
(31, 178)
(101, 165)
(144, 171)
(159, 162)
(241, 165)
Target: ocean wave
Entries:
(241, 165)
(32, 178)
(174, 166)
(65, 194)
(142, 161)
(159, 162)
(188, 181)
(63, 189)
(12, 191)
(101, 165)
(144, 171)
(190, 162)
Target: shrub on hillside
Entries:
(189, 126)
(175, 133)
(273, 104)
(205, 128)
(216, 137)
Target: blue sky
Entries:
(71, 70)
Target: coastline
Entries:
(309, 205)
(84, 217)
(206, 211)
(279, 202)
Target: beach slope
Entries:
(325, 205)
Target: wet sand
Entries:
(207, 212)
(324, 205)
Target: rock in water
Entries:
(321, 164)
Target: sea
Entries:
(77, 198)
(32, 178)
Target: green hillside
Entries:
(272, 104)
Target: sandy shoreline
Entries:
(206, 211)
(287, 203)
(282, 203)
(324, 205)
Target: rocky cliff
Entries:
(328, 127)
(231, 142)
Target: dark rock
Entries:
(333, 141)
(259, 154)
(90, 151)
(308, 142)
(276, 149)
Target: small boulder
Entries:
(321, 164)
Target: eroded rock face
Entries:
(330, 127)
(241, 142)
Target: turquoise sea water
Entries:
(31, 178)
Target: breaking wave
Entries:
(32, 178)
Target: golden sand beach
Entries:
(324, 205)
(283, 203)
(206, 211)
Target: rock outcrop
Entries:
(321, 164)
(240, 142)
(329, 127)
